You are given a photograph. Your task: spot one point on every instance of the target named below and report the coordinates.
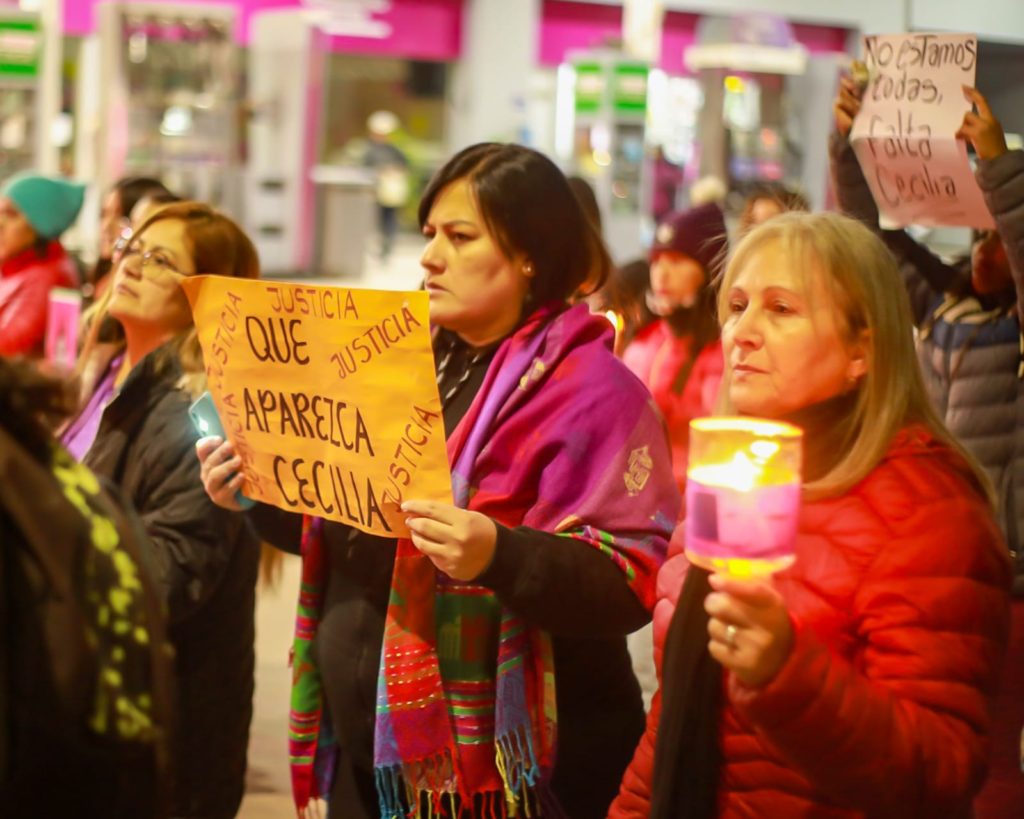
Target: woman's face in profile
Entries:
(146, 286)
(783, 338)
(475, 290)
(16, 233)
(112, 222)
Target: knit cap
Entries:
(50, 204)
(698, 233)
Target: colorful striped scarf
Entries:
(560, 438)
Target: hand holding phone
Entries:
(207, 422)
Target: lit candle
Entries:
(742, 495)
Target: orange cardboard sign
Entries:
(327, 394)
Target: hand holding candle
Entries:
(750, 630)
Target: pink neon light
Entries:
(571, 26)
(420, 29)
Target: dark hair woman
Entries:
(448, 661)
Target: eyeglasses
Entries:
(123, 238)
(158, 257)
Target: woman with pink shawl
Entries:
(480, 668)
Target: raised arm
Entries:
(924, 273)
(1000, 175)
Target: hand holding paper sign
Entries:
(458, 542)
(847, 103)
(905, 129)
(327, 394)
(982, 128)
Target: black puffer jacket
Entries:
(206, 562)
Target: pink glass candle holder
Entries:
(742, 495)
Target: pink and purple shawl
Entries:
(560, 438)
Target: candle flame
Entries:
(741, 473)
(764, 449)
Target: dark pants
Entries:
(387, 223)
(353, 793)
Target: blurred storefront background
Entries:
(261, 106)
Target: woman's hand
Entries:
(751, 633)
(458, 542)
(982, 128)
(220, 471)
(847, 104)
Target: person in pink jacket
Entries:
(34, 211)
(858, 682)
(678, 356)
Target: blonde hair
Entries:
(864, 285)
(217, 246)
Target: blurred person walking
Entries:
(391, 170)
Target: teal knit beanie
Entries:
(50, 204)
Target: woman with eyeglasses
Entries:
(134, 429)
(34, 211)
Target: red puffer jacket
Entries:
(25, 284)
(900, 601)
(656, 356)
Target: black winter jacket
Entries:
(206, 562)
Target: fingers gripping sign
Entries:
(981, 127)
(459, 542)
(847, 103)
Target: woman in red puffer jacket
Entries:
(857, 682)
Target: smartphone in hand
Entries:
(204, 417)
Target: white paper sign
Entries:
(905, 133)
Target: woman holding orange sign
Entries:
(480, 667)
(857, 680)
